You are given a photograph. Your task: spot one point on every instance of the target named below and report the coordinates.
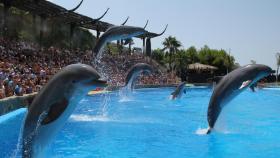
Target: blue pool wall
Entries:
(16, 102)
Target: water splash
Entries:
(201, 131)
(103, 111)
(116, 119)
(89, 118)
(99, 66)
(125, 92)
(125, 98)
(38, 150)
(18, 149)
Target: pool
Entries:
(149, 125)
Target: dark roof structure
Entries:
(49, 10)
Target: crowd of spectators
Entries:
(25, 67)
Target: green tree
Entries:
(158, 55)
(182, 61)
(172, 45)
(192, 55)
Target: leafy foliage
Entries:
(172, 55)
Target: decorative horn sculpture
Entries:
(125, 21)
(163, 31)
(102, 15)
(74, 9)
(146, 24)
(95, 20)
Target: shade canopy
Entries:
(199, 66)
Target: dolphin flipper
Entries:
(252, 88)
(55, 111)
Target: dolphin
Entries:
(231, 85)
(135, 71)
(178, 91)
(54, 104)
(117, 33)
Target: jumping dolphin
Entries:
(135, 71)
(179, 91)
(54, 104)
(231, 85)
(117, 33)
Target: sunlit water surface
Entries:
(146, 124)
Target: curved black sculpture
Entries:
(54, 104)
(135, 71)
(102, 15)
(146, 24)
(231, 85)
(125, 21)
(98, 19)
(117, 33)
(162, 31)
(149, 44)
(65, 12)
(180, 89)
(74, 9)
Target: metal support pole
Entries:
(144, 45)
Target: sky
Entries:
(249, 29)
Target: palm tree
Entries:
(172, 45)
(278, 65)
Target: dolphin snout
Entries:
(99, 83)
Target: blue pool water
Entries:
(149, 125)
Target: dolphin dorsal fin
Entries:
(245, 84)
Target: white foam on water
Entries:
(89, 118)
(272, 88)
(201, 131)
(170, 97)
(101, 118)
(125, 99)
